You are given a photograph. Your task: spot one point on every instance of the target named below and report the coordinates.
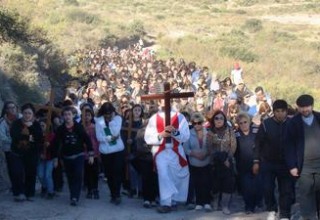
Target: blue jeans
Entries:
(74, 171)
(45, 169)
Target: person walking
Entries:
(303, 156)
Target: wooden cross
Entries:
(167, 95)
(50, 108)
(129, 129)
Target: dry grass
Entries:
(283, 55)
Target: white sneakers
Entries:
(271, 215)
(206, 207)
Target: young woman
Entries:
(111, 147)
(131, 146)
(70, 138)
(27, 138)
(46, 163)
(91, 170)
(8, 115)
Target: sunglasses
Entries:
(219, 118)
(197, 123)
(243, 122)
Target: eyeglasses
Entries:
(218, 118)
(197, 123)
(243, 122)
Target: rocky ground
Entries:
(129, 209)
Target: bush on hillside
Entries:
(82, 17)
(136, 29)
(71, 2)
(247, 2)
(13, 28)
(253, 25)
(160, 17)
(108, 40)
(283, 36)
(238, 53)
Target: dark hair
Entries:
(28, 106)
(305, 100)
(86, 104)
(214, 115)
(73, 97)
(186, 115)
(280, 104)
(141, 107)
(67, 102)
(258, 89)
(106, 108)
(67, 109)
(91, 112)
(5, 106)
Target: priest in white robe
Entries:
(170, 160)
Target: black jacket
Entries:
(71, 142)
(21, 142)
(270, 141)
(294, 149)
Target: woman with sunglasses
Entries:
(199, 160)
(250, 184)
(222, 142)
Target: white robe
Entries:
(173, 178)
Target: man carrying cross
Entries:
(166, 131)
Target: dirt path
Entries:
(130, 209)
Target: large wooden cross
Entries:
(167, 95)
(50, 108)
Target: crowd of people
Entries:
(226, 139)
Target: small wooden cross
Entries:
(167, 95)
(129, 129)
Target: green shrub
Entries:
(240, 12)
(108, 40)
(136, 28)
(216, 10)
(160, 17)
(238, 53)
(82, 17)
(247, 2)
(253, 25)
(71, 2)
(283, 36)
(13, 28)
(55, 18)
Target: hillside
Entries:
(276, 41)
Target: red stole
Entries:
(160, 127)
